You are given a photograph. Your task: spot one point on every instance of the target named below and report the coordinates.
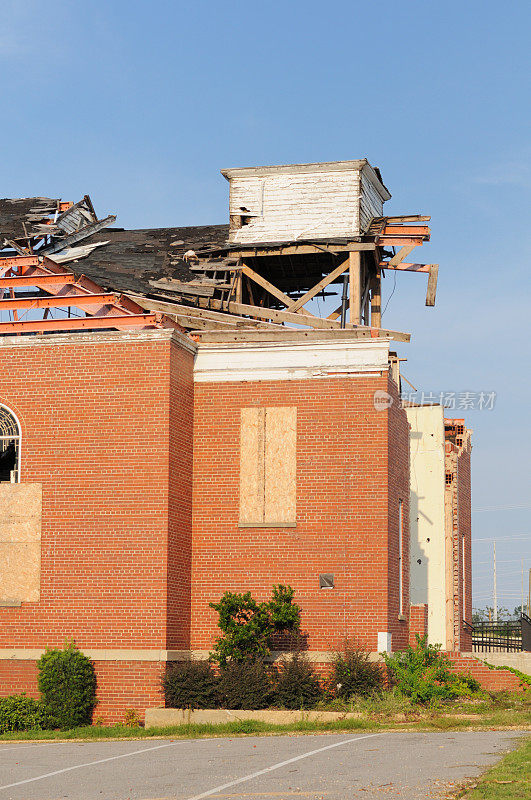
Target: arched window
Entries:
(9, 447)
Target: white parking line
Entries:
(88, 764)
(28, 746)
(280, 764)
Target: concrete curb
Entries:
(164, 717)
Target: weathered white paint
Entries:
(304, 201)
(427, 532)
(385, 642)
(270, 361)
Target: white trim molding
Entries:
(281, 361)
(33, 654)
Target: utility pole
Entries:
(522, 605)
(494, 586)
(529, 596)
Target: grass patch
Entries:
(389, 711)
(508, 780)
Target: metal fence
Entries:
(502, 636)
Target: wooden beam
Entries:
(407, 267)
(238, 288)
(265, 284)
(292, 335)
(376, 299)
(432, 285)
(354, 279)
(300, 249)
(199, 313)
(336, 314)
(282, 316)
(409, 218)
(400, 256)
(185, 288)
(294, 305)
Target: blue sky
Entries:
(141, 104)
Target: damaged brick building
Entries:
(176, 421)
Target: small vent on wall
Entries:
(449, 478)
(326, 580)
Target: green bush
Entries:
(296, 685)
(21, 713)
(191, 684)
(247, 626)
(67, 682)
(245, 685)
(354, 674)
(424, 674)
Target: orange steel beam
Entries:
(57, 301)
(85, 323)
(406, 230)
(58, 279)
(20, 261)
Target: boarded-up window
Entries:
(268, 464)
(20, 542)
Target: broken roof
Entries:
(132, 258)
(22, 218)
(200, 279)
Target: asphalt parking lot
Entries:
(405, 765)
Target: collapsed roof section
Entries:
(39, 296)
(297, 233)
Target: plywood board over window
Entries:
(268, 466)
(20, 542)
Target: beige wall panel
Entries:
(252, 465)
(20, 566)
(20, 511)
(20, 541)
(280, 465)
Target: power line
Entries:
(497, 508)
(502, 538)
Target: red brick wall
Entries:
(398, 490)
(180, 498)
(493, 680)
(464, 505)
(352, 464)
(115, 464)
(121, 685)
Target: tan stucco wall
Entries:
(20, 541)
(427, 532)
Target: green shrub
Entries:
(21, 713)
(67, 682)
(424, 674)
(191, 684)
(354, 674)
(245, 685)
(246, 625)
(296, 685)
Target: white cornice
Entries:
(269, 361)
(99, 337)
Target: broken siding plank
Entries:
(432, 285)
